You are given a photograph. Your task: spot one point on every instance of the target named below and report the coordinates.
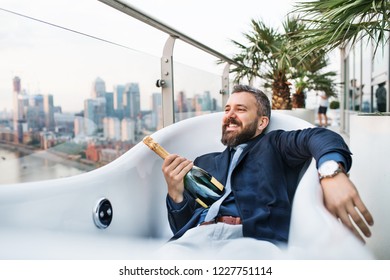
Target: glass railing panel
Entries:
(197, 82)
(72, 101)
(197, 92)
(77, 95)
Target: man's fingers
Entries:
(364, 211)
(360, 223)
(346, 220)
(176, 167)
(169, 160)
(361, 216)
(183, 167)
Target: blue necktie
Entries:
(214, 208)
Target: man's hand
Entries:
(174, 169)
(342, 199)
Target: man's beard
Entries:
(235, 138)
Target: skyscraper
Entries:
(79, 127)
(19, 104)
(111, 128)
(156, 111)
(15, 98)
(110, 104)
(48, 107)
(98, 88)
(17, 84)
(35, 115)
(94, 112)
(95, 108)
(128, 130)
(131, 101)
(118, 100)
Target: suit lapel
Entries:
(248, 148)
(222, 165)
(244, 152)
(222, 161)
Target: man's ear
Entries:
(263, 123)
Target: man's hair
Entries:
(262, 101)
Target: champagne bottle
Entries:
(203, 187)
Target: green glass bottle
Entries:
(203, 187)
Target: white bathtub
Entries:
(54, 219)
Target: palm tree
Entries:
(265, 56)
(333, 23)
(273, 57)
(310, 75)
(307, 72)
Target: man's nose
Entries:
(230, 114)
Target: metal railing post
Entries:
(166, 83)
(225, 84)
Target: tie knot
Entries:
(236, 152)
(240, 147)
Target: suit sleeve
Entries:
(300, 145)
(180, 214)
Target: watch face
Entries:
(328, 168)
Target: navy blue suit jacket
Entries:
(264, 180)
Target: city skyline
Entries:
(98, 90)
(110, 124)
(102, 111)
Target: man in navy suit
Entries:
(264, 180)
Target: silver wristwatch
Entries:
(329, 169)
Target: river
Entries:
(19, 167)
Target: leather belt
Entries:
(224, 219)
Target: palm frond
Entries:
(335, 23)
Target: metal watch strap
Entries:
(337, 171)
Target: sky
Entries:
(113, 46)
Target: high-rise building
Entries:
(182, 106)
(48, 108)
(95, 109)
(110, 104)
(94, 112)
(111, 128)
(15, 98)
(79, 127)
(118, 100)
(156, 111)
(20, 103)
(207, 102)
(17, 84)
(128, 130)
(35, 115)
(197, 103)
(131, 101)
(98, 88)
(181, 103)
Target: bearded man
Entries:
(262, 182)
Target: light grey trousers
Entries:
(218, 241)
